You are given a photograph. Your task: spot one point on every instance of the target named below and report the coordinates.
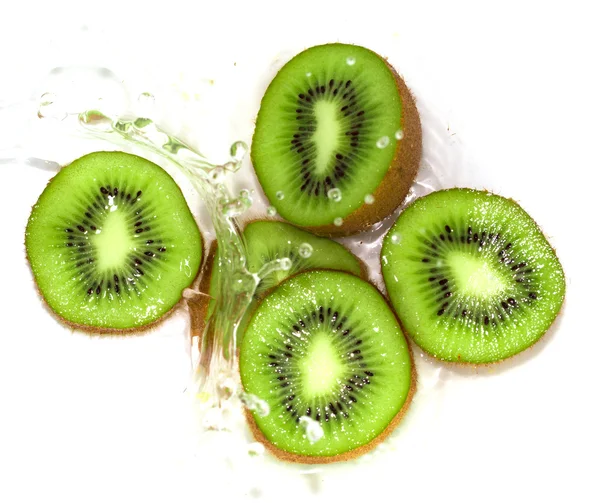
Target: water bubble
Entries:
(383, 142)
(93, 119)
(305, 250)
(217, 175)
(256, 449)
(271, 211)
(146, 98)
(255, 404)
(335, 195)
(369, 199)
(238, 150)
(395, 239)
(280, 195)
(313, 430)
(350, 60)
(234, 207)
(49, 108)
(309, 74)
(338, 221)
(399, 134)
(285, 264)
(231, 166)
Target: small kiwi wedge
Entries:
(471, 276)
(270, 240)
(112, 243)
(337, 142)
(324, 347)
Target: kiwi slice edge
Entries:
(400, 172)
(47, 217)
(353, 453)
(519, 274)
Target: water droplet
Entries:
(244, 193)
(231, 166)
(383, 142)
(313, 430)
(399, 134)
(271, 211)
(49, 108)
(256, 449)
(395, 239)
(338, 221)
(146, 98)
(238, 150)
(217, 175)
(305, 250)
(279, 195)
(285, 264)
(335, 195)
(93, 119)
(369, 199)
(350, 60)
(255, 404)
(309, 74)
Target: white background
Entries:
(85, 419)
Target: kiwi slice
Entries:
(267, 241)
(337, 142)
(324, 346)
(112, 243)
(471, 276)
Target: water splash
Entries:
(236, 286)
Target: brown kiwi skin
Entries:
(394, 187)
(463, 364)
(354, 453)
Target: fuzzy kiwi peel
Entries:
(392, 187)
(299, 285)
(100, 244)
(471, 276)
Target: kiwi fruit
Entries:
(265, 242)
(325, 347)
(112, 243)
(471, 276)
(337, 142)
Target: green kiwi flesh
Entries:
(471, 276)
(337, 120)
(267, 241)
(325, 345)
(112, 243)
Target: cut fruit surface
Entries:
(268, 241)
(325, 347)
(112, 243)
(471, 276)
(336, 127)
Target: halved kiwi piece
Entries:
(471, 276)
(324, 346)
(112, 243)
(337, 142)
(267, 241)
